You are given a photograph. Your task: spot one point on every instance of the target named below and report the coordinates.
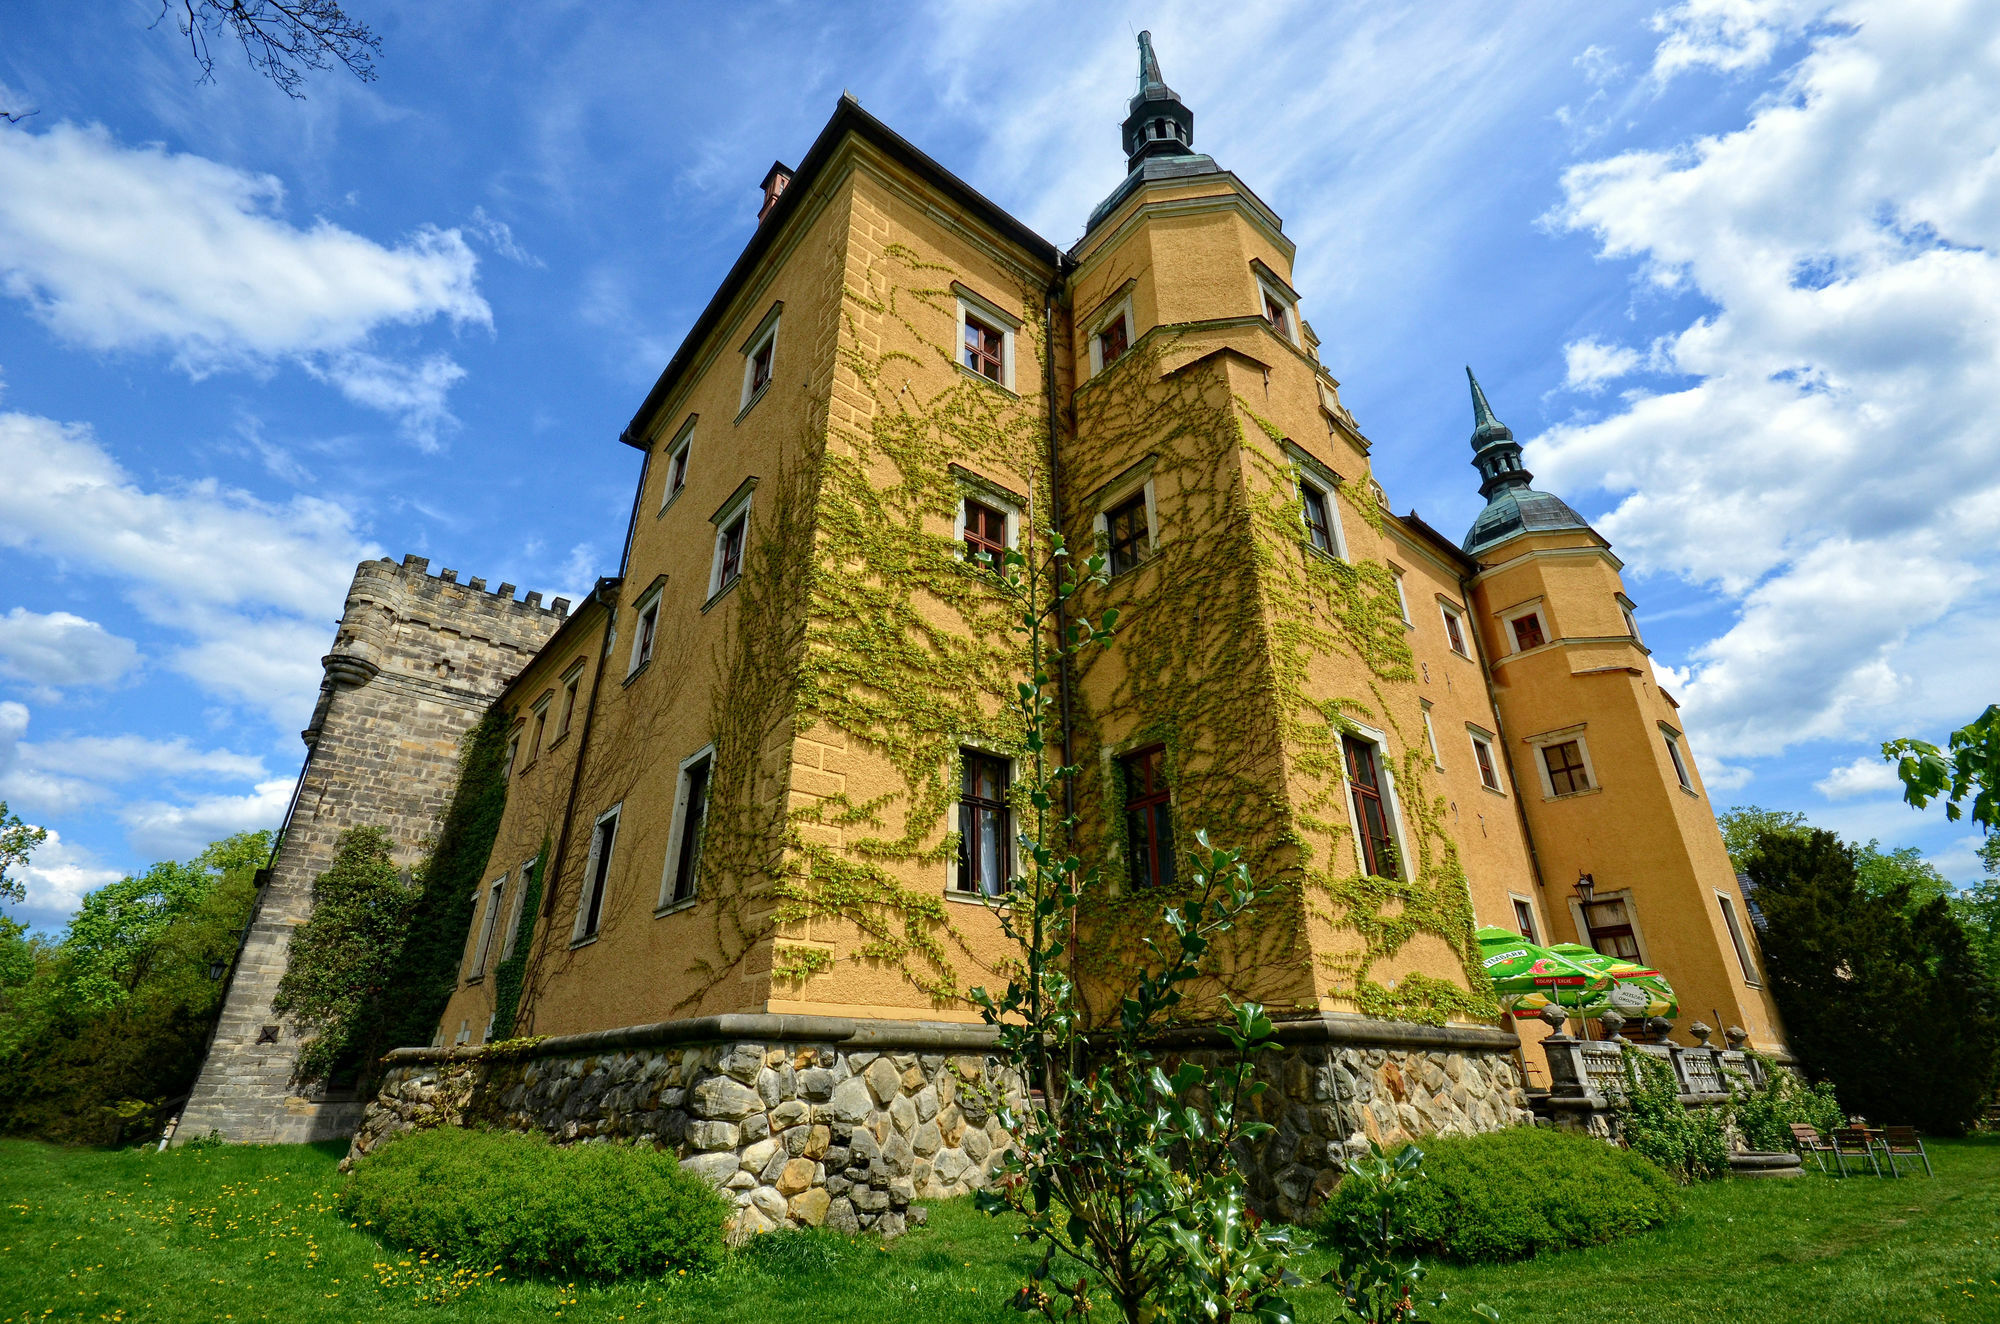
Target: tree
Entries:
(1744, 824)
(281, 38)
(1971, 769)
(344, 958)
(17, 843)
(1881, 874)
(1882, 996)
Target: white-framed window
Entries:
(486, 1035)
(1562, 758)
(1628, 608)
(464, 1032)
(538, 726)
(985, 864)
(1737, 940)
(1319, 510)
(1111, 336)
(489, 922)
(572, 683)
(1525, 627)
(1675, 757)
(691, 794)
(1485, 758)
(645, 628)
(1128, 520)
(986, 528)
(1455, 626)
(1402, 598)
(512, 933)
(1609, 923)
(1278, 308)
(1431, 739)
(596, 876)
(513, 757)
(1373, 811)
(732, 538)
(985, 338)
(680, 453)
(760, 358)
(1524, 917)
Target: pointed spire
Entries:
(1485, 428)
(1149, 65)
(1159, 123)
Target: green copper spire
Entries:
(1149, 65)
(1160, 124)
(1486, 429)
(1512, 506)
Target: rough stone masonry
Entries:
(417, 660)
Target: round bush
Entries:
(513, 1200)
(1511, 1194)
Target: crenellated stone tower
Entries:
(417, 660)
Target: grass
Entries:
(245, 1234)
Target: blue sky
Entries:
(1727, 266)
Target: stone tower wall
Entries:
(417, 660)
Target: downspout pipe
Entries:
(1055, 524)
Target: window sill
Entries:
(1495, 790)
(676, 907)
(720, 594)
(984, 380)
(557, 741)
(751, 403)
(1575, 795)
(470, 980)
(575, 943)
(1457, 654)
(980, 899)
(1309, 549)
(1689, 790)
(632, 675)
(676, 496)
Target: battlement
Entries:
(415, 572)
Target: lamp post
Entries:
(215, 968)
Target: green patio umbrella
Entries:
(1637, 991)
(1528, 976)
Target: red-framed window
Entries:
(1113, 341)
(1371, 813)
(985, 823)
(1489, 776)
(677, 472)
(1454, 632)
(1278, 316)
(1528, 632)
(732, 551)
(1524, 919)
(1564, 761)
(1131, 541)
(984, 348)
(1149, 828)
(985, 535)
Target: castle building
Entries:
(765, 782)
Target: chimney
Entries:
(774, 183)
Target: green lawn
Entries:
(251, 1234)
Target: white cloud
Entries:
(1591, 363)
(252, 584)
(56, 878)
(501, 235)
(66, 774)
(178, 831)
(1864, 776)
(138, 248)
(57, 648)
(1833, 468)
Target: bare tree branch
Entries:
(16, 116)
(281, 38)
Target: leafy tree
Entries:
(102, 1032)
(17, 843)
(1744, 824)
(344, 958)
(1971, 769)
(1903, 871)
(1882, 996)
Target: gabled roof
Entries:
(848, 118)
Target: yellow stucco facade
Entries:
(747, 765)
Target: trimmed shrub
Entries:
(513, 1200)
(1509, 1195)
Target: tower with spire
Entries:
(1513, 506)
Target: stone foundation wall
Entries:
(822, 1121)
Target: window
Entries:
(1674, 756)
(495, 895)
(1524, 918)
(985, 349)
(1567, 774)
(513, 752)
(644, 631)
(1319, 527)
(690, 817)
(1402, 599)
(1431, 737)
(679, 451)
(1482, 754)
(1149, 830)
(572, 682)
(1608, 921)
(729, 551)
(541, 725)
(1278, 312)
(512, 933)
(1113, 341)
(985, 535)
(1631, 622)
(1371, 815)
(1730, 922)
(985, 824)
(760, 358)
(1131, 538)
(596, 877)
(1528, 631)
(1454, 630)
